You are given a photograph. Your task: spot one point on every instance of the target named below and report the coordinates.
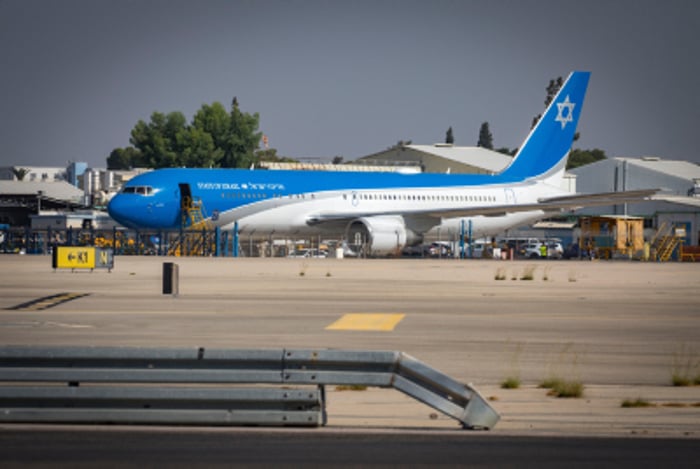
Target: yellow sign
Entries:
(82, 257)
(70, 257)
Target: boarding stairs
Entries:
(196, 239)
(664, 242)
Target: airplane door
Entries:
(510, 196)
(185, 195)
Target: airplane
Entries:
(382, 212)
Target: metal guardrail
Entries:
(212, 386)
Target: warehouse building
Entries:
(677, 204)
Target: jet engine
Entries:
(378, 236)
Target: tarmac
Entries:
(620, 328)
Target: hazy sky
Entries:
(345, 78)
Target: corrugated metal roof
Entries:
(59, 190)
(675, 168)
(689, 201)
(472, 156)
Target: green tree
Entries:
(158, 140)
(20, 173)
(507, 151)
(197, 149)
(243, 138)
(485, 137)
(579, 158)
(214, 120)
(124, 158)
(449, 137)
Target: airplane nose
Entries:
(120, 210)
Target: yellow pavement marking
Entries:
(367, 322)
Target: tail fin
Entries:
(546, 149)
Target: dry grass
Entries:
(528, 273)
(638, 402)
(563, 388)
(512, 382)
(351, 387)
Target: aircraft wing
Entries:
(550, 204)
(555, 204)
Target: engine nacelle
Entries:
(378, 236)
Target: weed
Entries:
(328, 274)
(528, 273)
(351, 387)
(511, 382)
(500, 274)
(302, 269)
(560, 387)
(638, 402)
(572, 276)
(684, 371)
(680, 380)
(545, 277)
(563, 388)
(550, 383)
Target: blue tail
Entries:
(546, 149)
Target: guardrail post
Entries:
(171, 279)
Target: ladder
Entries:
(196, 238)
(665, 242)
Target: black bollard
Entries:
(171, 279)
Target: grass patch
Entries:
(567, 389)
(559, 387)
(680, 380)
(351, 387)
(512, 382)
(638, 402)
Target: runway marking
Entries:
(47, 302)
(367, 322)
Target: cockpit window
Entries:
(143, 190)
